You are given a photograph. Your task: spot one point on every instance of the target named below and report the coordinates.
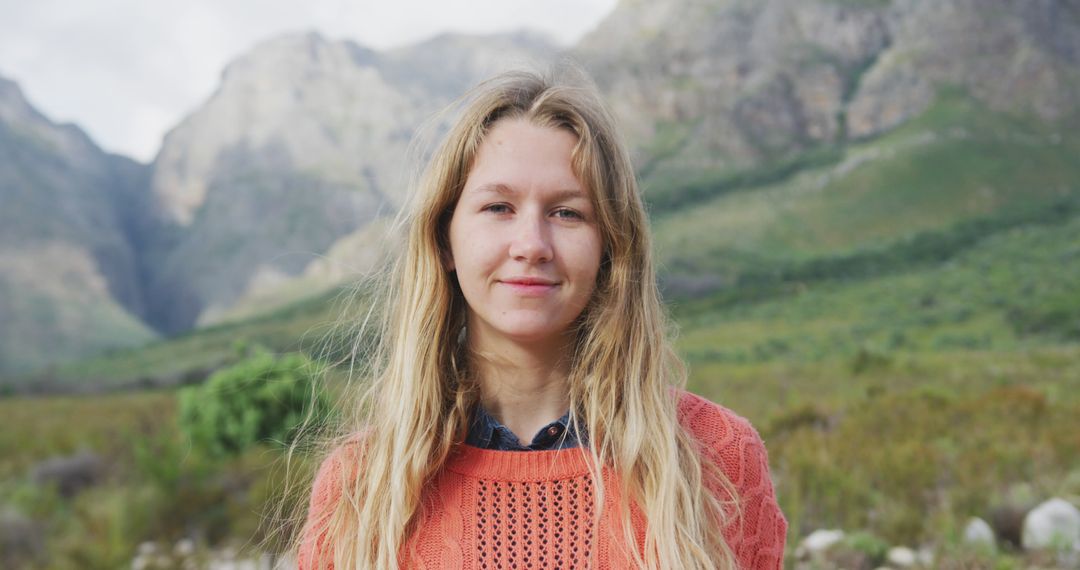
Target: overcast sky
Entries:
(128, 70)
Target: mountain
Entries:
(711, 87)
(779, 142)
(303, 145)
(776, 136)
(69, 275)
(264, 195)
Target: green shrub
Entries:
(869, 358)
(264, 397)
(1053, 315)
(873, 548)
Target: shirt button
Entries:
(553, 431)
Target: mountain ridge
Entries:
(719, 86)
(300, 149)
(70, 277)
(318, 127)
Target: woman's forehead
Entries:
(518, 156)
(505, 190)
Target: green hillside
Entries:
(36, 325)
(191, 356)
(956, 162)
(1010, 290)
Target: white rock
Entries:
(901, 556)
(818, 541)
(978, 532)
(926, 556)
(184, 547)
(147, 549)
(1053, 524)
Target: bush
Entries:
(261, 398)
(872, 548)
(21, 539)
(1051, 315)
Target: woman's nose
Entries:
(531, 241)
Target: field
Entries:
(905, 448)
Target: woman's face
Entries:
(523, 237)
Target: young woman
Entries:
(525, 408)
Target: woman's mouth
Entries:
(530, 286)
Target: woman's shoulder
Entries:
(337, 468)
(733, 445)
(726, 438)
(340, 463)
(712, 424)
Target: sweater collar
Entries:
(514, 466)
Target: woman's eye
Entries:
(568, 214)
(497, 208)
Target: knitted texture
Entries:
(491, 509)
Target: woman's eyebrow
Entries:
(505, 190)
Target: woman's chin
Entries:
(527, 333)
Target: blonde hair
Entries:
(418, 403)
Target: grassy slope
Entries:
(910, 449)
(956, 162)
(153, 486)
(906, 403)
(37, 326)
(1011, 290)
(107, 424)
(188, 357)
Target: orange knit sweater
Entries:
(534, 509)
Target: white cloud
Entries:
(128, 70)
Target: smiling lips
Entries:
(530, 286)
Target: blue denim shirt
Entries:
(487, 433)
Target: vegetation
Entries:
(912, 447)
(1009, 291)
(899, 318)
(264, 398)
(190, 357)
(158, 484)
(900, 448)
(955, 164)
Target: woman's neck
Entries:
(524, 386)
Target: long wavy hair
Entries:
(418, 394)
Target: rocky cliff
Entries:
(267, 192)
(302, 145)
(722, 85)
(70, 281)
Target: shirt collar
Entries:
(486, 432)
